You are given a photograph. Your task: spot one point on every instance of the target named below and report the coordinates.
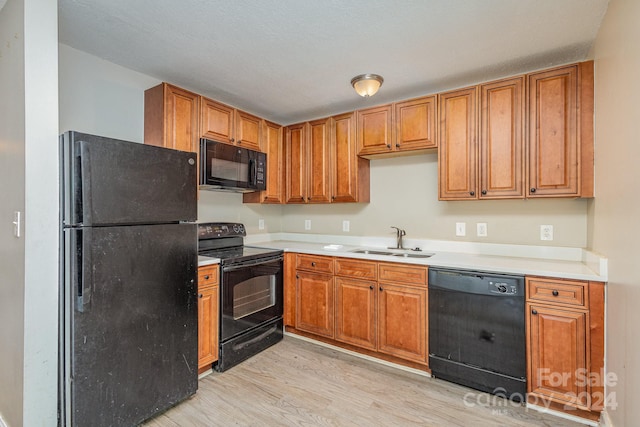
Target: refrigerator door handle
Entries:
(83, 263)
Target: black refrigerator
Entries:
(128, 298)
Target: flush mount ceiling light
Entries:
(367, 84)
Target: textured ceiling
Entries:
(292, 60)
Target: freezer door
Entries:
(110, 182)
(130, 314)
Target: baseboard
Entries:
(564, 415)
(361, 356)
(605, 420)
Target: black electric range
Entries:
(224, 240)
(251, 292)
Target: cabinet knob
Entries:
(555, 293)
(200, 295)
(381, 289)
(265, 198)
(397, 145)
(333, 197)
(371, 287)
(484, 192)
(532, 190)
(239, 141)
(309, 199)
(297, 277)
(534, 311)
(472, 193)
(206, 277)
(313, 264)
(231, 139)
(389, 146)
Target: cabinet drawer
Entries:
(356, 269)
(208, 275)
(402, 273)
(564, 292)
(319, 264)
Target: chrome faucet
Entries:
(399, 234)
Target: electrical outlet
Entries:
(307, 224)
(345, 226)
(261, 224)
(481, 229)
(461, 228)
(546, 232)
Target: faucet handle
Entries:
(398, 230)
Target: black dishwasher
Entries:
(477, 330)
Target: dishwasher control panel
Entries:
(498, 287)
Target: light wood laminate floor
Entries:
(298, 383)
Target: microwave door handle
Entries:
(252, 171)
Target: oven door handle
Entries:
(251, 263)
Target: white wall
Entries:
(404, 193)
(614, 213)
(28, 183)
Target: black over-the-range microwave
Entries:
(226, 167)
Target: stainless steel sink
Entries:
(398, 254)
(409, 255)
(371, 252)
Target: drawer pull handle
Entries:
(200, 295)
(206, 277)
(534, 311)
(313, 264)
(371, 287)
(555, 293)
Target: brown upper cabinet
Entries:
(171, 118)
(561, 132)
(273, 145)
(483, 148)
(321, 162)
(457, 153)
(226, 124)
(415, 124)
(501, 151)
(394, 128)
(375, 130)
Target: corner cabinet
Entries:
(565, 344)
(171, 118)
(561, 132)
(321, 162)
(208, 313)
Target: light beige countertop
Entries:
(205, 260)
(590, 267)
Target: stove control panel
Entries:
(213, 230)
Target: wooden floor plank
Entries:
(298, 383)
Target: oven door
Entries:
(252, 294)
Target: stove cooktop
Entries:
(240, 253)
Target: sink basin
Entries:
(398, 254)
(408, 255)
(371, 252)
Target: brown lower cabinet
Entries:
(208, 306)
(381, 307)
(565, 344)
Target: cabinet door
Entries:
(375, 130)
(553, 133)
(318, 152)
(171, 118)
(416, 124)
(208, 326)
(402, 322)
(248, 130)
(216, 121)
(314, 303)
(457, 151)
(350, 173)
(557, 354)
(274, 147)
(355, 312)
(296, 165)
(502, 139)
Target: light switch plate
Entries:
(345, 226)
(461, 228)
(481, 229)
(261, 224)
(307, 224)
